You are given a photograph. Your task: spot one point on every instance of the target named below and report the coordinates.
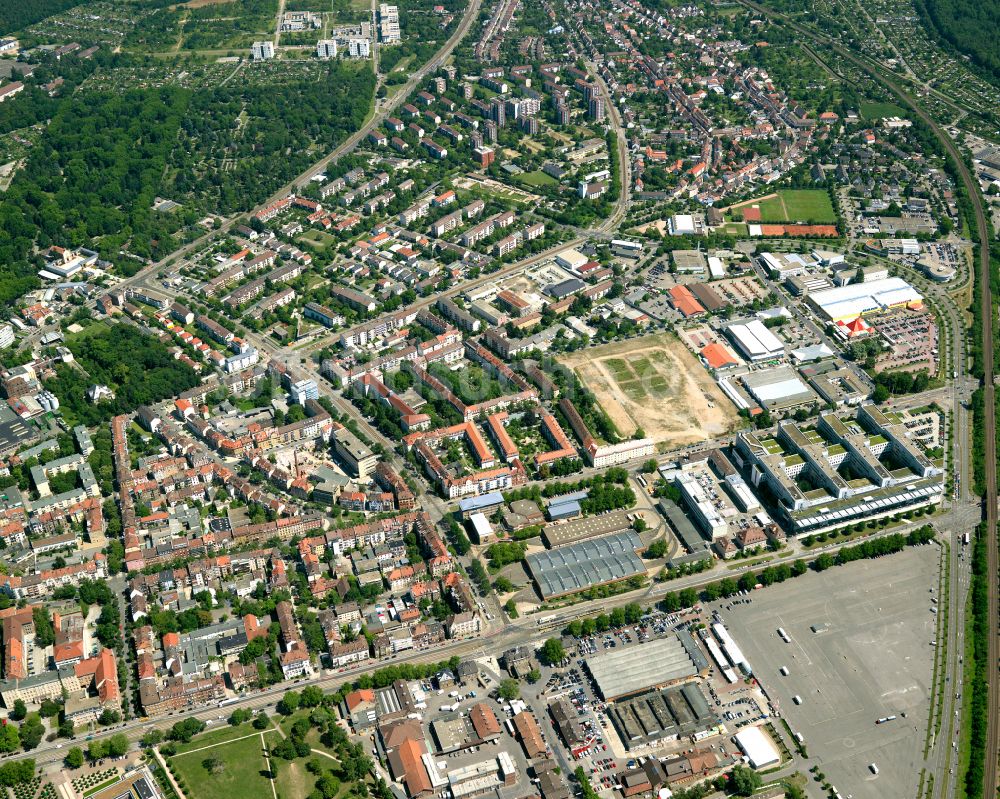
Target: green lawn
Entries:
(313, 738)
(620, 369)
(642, 367)
(318, 6)
(537, 179)
(797, 205)
(634, 390)
(737, 229)
(880, 110)
(218, 736)
(94, 329)
(243, 775)
(101, 786)
(293, 781)
(318, 238)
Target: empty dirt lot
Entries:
(654, 383)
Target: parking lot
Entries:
(607, 756)
(911, 340)
(860, 649)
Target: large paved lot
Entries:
(874, 659)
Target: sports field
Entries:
(537, 179)
(790, 205)
(881, 110)
(656, 384)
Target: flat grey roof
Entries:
(558, 533)
(640, 667)
(351, 444)
(661, 715)
(682, 526)
(587, 563)
(450, 732)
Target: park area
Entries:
(787, 205)
(655, 384)
(292, 757)
(226, 762)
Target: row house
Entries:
(322, 314)
(335, 186)
(434, 150)
(377, 329)
(416, 211)
(267, 305)
(271, 211)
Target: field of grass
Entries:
(95, 329)
(318, 6)
(793, 205)
(244, 772)
(880, 110)
(537, 179)
(471, 384)
(217, 736)
(318, 238)
(100, 786)
(737, 229)
(292, 780)
(620, 369)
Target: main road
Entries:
(525, 630)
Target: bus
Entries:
(783, 635)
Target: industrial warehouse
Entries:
(633, 670)
(562, 533)
(858, 299)
(586, 564)
(661, 716)
(649, 689)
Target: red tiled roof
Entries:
(717, 356)
(685, 302)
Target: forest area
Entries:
(91, 182)
(92, 179)
(135, 365)
(240, 143)
(15, 16)
(970, 26)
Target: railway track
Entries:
(990, 782)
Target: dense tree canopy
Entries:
(91, 181)
(281, 132)
(15, 16)
(135, 365)
(970, 26)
